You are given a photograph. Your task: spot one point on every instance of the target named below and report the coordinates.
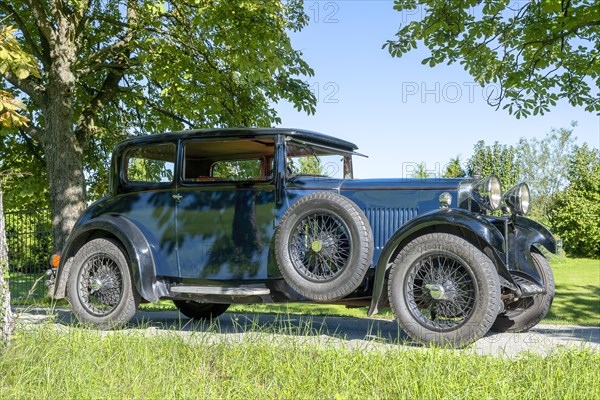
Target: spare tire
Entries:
(324, 246)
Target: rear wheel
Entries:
(99, 286)
(443, 290)
(528, 312)
(200, 311)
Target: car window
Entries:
(237, 170)
(231, 160)
(150, 164)
(304, 159)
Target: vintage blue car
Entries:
(208, 218)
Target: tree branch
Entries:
(26, 34)
(32, 131)
(41, 18)
(35, 92)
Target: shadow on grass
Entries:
(580, 303)
(344, 328)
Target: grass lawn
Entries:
(76, 363)
(577, 299)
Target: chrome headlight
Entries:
(517, 198)
(487, 192)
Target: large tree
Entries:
(575, 211)
(537, 52)
(544, 165)
(121, 67)
(499, 159)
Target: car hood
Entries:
(401, 184)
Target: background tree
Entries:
(536, 51)
(501, 160)
(544, 167)
(421, 171)
(15, 60)
(122, 67)
(575, 212)
(454, 169)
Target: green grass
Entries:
(577, 299)
(83, 364)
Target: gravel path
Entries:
(350, 332)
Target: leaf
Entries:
(22, 73)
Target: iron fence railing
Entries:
(29, 240)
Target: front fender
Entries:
(141, 259)
(521, 238)
(467, 222)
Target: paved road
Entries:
(350, 332)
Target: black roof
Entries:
(300, 134)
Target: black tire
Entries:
(528, 312)
(443, 290)
(200, 311)
(324, 246)
(99, 286)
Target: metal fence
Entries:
(29, 239)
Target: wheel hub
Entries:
(316, 246)
(436, 291)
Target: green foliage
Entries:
(501, 160)
(15, 61)
(575, 212)
(454, 169)
(421, 172)
(536, 51)
(544, 167)
(307, 165)
(237, 170)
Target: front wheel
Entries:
(99, 286)
(443, 290)
(200, 311)
(528, 312)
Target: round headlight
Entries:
(488, 192)
(517, 198)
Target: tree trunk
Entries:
(6, 318)
(63, 151)
(64, 169)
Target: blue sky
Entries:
(396, 110)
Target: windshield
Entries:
(314, 160)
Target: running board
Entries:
(222, 290)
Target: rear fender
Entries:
(465, 222)
(137, 248)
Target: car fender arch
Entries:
(445, 219)
(135, 244)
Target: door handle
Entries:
(177, 197)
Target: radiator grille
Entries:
(386, 221)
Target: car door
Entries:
(225, 210)
(148, 185)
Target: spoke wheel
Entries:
(323, 247)
(441, 292)
(320, 247)
(99, 286)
